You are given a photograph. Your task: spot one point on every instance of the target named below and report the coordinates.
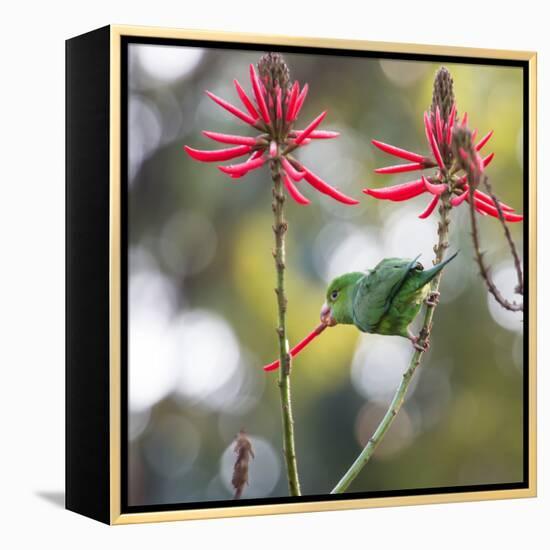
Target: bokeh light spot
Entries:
(167, 63)
(206, 352)
(151, 371)
(378, 365)
(403, 73)
(505, 278)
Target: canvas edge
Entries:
(118, 518)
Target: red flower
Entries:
(272, 110)
(451, 174)
(299, 346)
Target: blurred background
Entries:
(202, 310)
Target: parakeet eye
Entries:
(334, 295)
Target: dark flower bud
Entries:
(443, 94)
(274, 72)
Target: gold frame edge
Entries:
(114, 279)
(532, 235)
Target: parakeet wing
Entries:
(374, 293)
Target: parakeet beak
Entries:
(326, 316)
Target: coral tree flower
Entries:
(272, 109)
(441, 123)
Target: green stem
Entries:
(399, 397)
(279, 229)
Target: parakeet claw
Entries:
(418, 343)
(419, 347)
(433, 298)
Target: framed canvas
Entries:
(301, 274)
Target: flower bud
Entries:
(274, 72)
(443, 95)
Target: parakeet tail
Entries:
(428, 274)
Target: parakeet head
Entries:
(337, 308)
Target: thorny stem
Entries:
(399, 397)
(483, 268)
(280, 228)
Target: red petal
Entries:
(292, 101)
(484, 140)
(459, 199)
(492, 211)
(434, 189)
(398, 168)
(311, 126)
(430, 208)
(246, 100)
(298, 347)
(428, 127)
(398, 152)
(220, 154)
(305, 142)
(438, 125)
(296, 175)
(476, 164)
(273, 149)
(260, 99)
(401, 192)
(432, 142)
(242, 168)
(464, 120)
(486, 198)
(279, 104)
(229, 138)
(509, 217)
(327, 189)
(231, 108)
(299, 102)
(293, 191)
(256, 154)
(487, 160)
(319, 134)
(450, 124)
(480, 211)
(479, 196)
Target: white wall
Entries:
(32, 271)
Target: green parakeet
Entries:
(384, 300)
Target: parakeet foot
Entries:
(419, 343)
(433, 298)
(420, 347)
